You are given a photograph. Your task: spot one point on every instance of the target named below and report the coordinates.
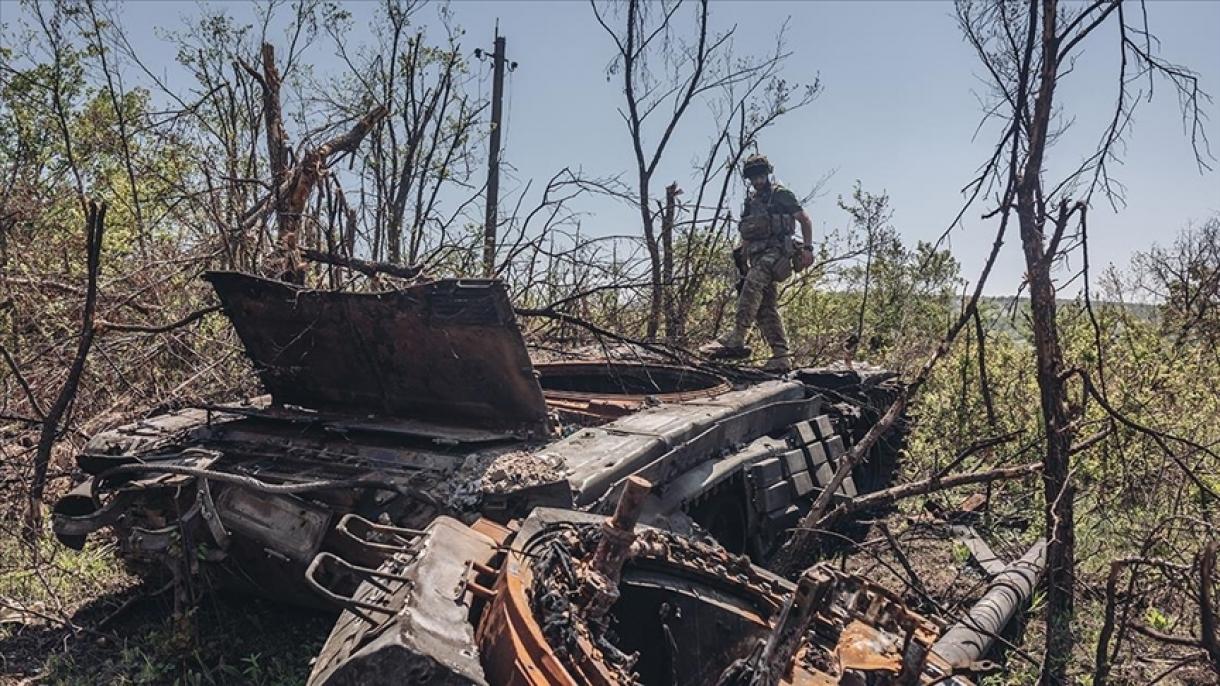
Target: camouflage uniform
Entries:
(767, 224)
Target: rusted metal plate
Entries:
(448, 351)
(863, 648)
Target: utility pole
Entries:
(493, 163)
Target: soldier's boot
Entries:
(727, 347)
(732, 345)
(778, 364)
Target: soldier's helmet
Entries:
(755, 165)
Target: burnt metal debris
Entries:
(685, 612)
(412, 467)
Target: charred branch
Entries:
(366, 267)
(924, 487)
(94, 230)
(104, 326)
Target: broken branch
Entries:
(366, 267)
(94, 229)
(104, 326)
(931, 485)
(979, 445)
(21, 381)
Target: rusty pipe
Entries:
(630, 503)
(600, 587)
(618, 531)
(967, 641)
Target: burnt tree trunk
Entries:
(305, 176)
(277, 142)
(292, 188)
(656, 294)
(94, 229)
(1057, 487)
(674, 319)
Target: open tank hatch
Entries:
(608, 389)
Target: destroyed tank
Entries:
(565, 598)
(387, 410)
(412, 468)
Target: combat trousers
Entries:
(759, 300)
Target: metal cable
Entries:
(254, 484)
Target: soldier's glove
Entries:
(803, 258)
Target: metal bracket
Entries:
(344, 568)
(369, 543)
(469, 583)
(210, 515)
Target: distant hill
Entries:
(1008, 314)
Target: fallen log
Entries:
(914, 488)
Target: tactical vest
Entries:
(760, 222)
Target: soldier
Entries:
(767, 223)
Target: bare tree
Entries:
(1026, 49)
(423, 154)
(662, 74)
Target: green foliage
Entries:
(217, 656)
(222, 641)
(1157, 619)
(961, 553)
(895, 300)
(58, 575)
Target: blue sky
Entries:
(898, 111)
